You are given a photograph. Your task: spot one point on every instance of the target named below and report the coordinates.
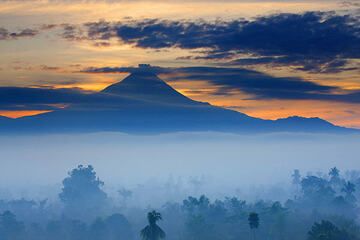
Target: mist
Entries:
(226, 163)
(210, 185)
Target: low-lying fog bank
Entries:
(213, 163)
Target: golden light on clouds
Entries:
(80, 11)
(48, 60)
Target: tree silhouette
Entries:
(10, 228)
(118, 227)
(296, 177)
(334, 174)
(253, 222)
(335, 180)
(349, 189)
(125, 195)
(278, 216)
(82, 193)
(317, 190)
(152, 231)
(327, 231)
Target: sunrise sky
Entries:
(268, 59)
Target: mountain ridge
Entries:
(143, 103)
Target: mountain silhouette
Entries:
(143, 103)
(148, 87)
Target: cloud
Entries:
(227, 81)
(16, 98)
(312, 41)
(31, 98)
(49, 68)
(146, 67)
(313, 65)
(254, 83)
(5, 34)
(42, 98)
(72, 32)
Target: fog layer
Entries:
(225, 162)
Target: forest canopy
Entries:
(323, 206)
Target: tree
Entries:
(334, 173)
(278, 215)
(336, 181)
(152, 231)
(125, 195)
(327, 231)
(296, 177)
(97, 230)
(195, 206)
(253, 222)
(296, 180)
(317, 190)
(82, 193)
(10, 228)
(118, 227)
(349, 189)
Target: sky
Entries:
(268, 59)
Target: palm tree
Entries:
(334, 173)
(253, 222)
(349, 189)
(335, 180)
(152, 231)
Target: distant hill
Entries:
(4, 119)
(143, 103)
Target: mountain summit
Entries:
(143, 103)
(147, 86)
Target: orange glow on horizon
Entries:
(22, 113)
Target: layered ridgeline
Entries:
(143, 103)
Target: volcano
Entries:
(148, 87)
(143, 103)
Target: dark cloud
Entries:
(257, 84)
(313, 65)
(5, 34)
(101, 30)
(252, 81)
(72, 32)
(227, 81)
(142, 67)
(31, 98)
(102, 44)
(49, 68)
(263, 86)
(48, 26)
(43, 98)
(317, 41)
(38, 98)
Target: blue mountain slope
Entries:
(4, 119)
(143, 103)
